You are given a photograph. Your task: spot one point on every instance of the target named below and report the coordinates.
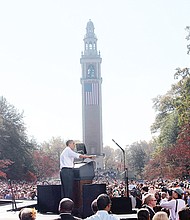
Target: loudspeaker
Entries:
(121, 205)
(91, 192)
(48, 198)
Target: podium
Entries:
(49, 196)
(83, 174)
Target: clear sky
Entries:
(141, 43)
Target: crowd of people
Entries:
(169, 199)
(18, 190)
(101, 208)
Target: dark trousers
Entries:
(67, 182)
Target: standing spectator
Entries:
(66, 206)
(158, 198)
(175, 204)
(104, 206)
(150, 203)
(143, 214)
(94, 206)
(184, 214)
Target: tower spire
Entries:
(90, 40)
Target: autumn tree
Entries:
(53, 148)
(45, 165)
(4, 164)
(173, 126)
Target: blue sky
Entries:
(141, 43)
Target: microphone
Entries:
(80, 152)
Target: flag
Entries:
(91, 93)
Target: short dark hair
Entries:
(66, 205)
(143, 214)
(184, 213)
(68, 142)
(94, 206)
(103, 200)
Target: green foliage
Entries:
(110, 160)
(188, 38)
(14, 144)
(171, 158)
(182, 102)
(137, 157)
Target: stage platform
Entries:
(7, 211)
(7, 205)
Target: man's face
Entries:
(153, 202)
(174, 195)
(72, 145)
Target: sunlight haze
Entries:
(141, 43)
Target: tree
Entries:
(14, 143)
(182, 102)
(137, 158)
(3, 166)
(109, 159)
(166, 121)
(53, 148)
(45, 165)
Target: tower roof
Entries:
(90, 29)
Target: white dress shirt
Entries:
(171, 205)
(102, 215)
(67, 158)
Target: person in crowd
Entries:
(160, 216)
(66, 206)
(184, 214)
(8, 194)
(158, 197)
(174, 203)
(149, 202)
(163, 195)
(133, 200)
(66, 168)
(27, 214)
(143, 214)
(104, 207)
(94, 206)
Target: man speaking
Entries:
(66, 168)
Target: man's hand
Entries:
(93, 157)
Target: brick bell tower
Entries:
(92, 95)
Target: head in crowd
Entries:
(27, 214)
(66, 205)
(144, 189)
(104, 202)
(177, 193)
(143, 214)
(157, 196)
(160, 216)
(150, 200)
(184, 214)
(94, 206)
(163, 195)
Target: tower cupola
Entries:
(90, 40)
